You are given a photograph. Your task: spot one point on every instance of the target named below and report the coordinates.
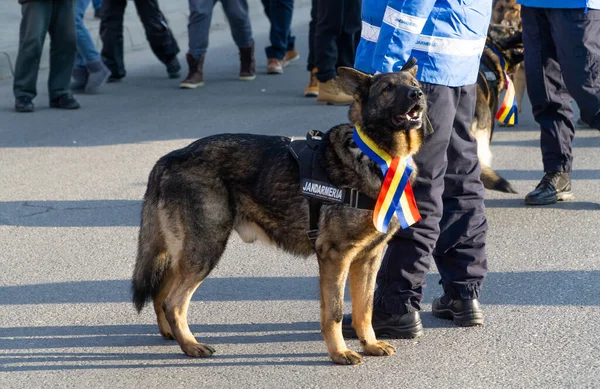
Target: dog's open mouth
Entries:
(410, 119)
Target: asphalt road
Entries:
(70, 190)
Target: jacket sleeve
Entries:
(403, 21)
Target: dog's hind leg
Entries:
(363, 273)
(159, 299)
(205, 227)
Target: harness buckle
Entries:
(354, 197)
(312, 234)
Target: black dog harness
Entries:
(315, 183)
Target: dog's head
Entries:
(389, 107)
(509, 41)
(507, 12)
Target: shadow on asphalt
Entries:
(126, 213)
(567, 205)
(505, 288)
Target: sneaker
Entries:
(173, 68)
(464, 313)
(247, 64)
(79, 78)
(66, 101)
(275, 66)
(23, 104)
(333, 93)
(97, 75)
(555, 186)
(312, 89)
(195, 77)
(406, 326)
(290, 56)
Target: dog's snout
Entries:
(415, 94)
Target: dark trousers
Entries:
(158, 34)
(312, 26)
(562, 59)
(279, 13)
(449, 195)
(57, 18)
(337, 33)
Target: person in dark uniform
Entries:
(159, 35)
(559, 66)
(447, 39)
(41, 17)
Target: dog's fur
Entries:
(508, 13)
(509, 42)
(198, 195)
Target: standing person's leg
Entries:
(576, 35)
(330, 24)
(312, 89)
(460, 249)
(350, 34)
(198, 32)
(97, 4)
(111, 33)
(551, 106)
(280, 12)
(63, 48)
(34, 26)
(159, 35)
(89, 72)
(241, 31)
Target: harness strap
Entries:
(308, 153)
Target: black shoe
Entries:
(406, 326)
(114, 78)
(64, 102)
(465, 313)
(23, 104)
(173, 68)
(555, 186)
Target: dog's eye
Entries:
(388, 87)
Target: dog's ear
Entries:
(410, 66)
(357, 81)
(413, 70)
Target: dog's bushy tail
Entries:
(493, 181)
(152, 257)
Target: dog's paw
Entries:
(347, 357)
(198, 350)
(379, 349)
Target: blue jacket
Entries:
(593, 4)
(445, 36)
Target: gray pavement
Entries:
(70, 190)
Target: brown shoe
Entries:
(312, 90)
(290, 56)
(195, 77)
(275, 66)
(247, 65)
(332, 93)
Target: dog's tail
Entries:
(493, 181)
(152, 257)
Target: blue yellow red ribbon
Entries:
(396, 195)
(508, 113)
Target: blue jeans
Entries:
(279, 13)
(86, 50)
(236, 12)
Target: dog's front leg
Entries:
(363, 273)
(333, 271)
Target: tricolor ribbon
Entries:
(396, 193)
(508, 112)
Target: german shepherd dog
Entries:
(198, 195)
(490, 83)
